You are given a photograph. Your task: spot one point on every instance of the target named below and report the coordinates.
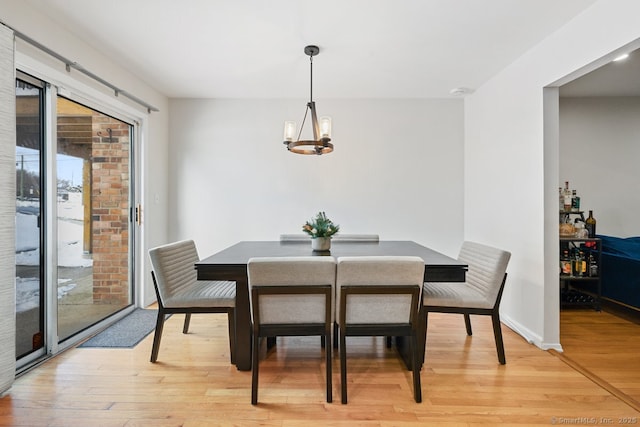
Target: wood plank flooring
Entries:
(193, 383)
(611, 354)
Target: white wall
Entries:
(22, 17)
(599, 156)
(511, 171)
(396, 170)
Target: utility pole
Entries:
(22, 176)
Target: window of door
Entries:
(29, 237)
(93, 223)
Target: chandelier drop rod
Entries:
(311, 78)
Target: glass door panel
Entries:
(30, 288)
(93, 200)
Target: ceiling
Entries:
(369, 48)
(617, 78)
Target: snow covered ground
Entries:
(70, 251)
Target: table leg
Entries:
(402, 343)
(243, 326)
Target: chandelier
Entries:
(321, 129)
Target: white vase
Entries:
(321, 244)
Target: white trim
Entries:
(529, 335)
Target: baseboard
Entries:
(529, 335)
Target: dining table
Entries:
(231, 264)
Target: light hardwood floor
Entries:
(193, 383)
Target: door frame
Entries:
(65, 84)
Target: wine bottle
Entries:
(590, 224)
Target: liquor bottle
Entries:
(579, 264)
(582, 264)
(565, 263)
(575, 202)
(590, 224)
(593, 266)
(567, 197)
(561, 198)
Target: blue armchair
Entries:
(620, 269)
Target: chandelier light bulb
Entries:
(325, 127)
(289, 131)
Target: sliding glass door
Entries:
(30, 289)
(74, 231)
(93, 203)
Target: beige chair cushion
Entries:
(176, 276)
(292, 271)
(378, 271)
(487, 266)
(454, 295)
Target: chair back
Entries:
(487, 267)
(294, 237)
(291, 304)
(173, 268)
(356, 237)
(337, 237)
(377, 272)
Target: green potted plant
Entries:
(320, 229)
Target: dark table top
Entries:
(240, 253)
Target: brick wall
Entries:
(110, 210)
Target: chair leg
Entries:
(333, 337)
(187, 320)
(417, 387)
(157, 336)
(255, 356)
(497, 332)
(328, 361)
(343, 366)
(422, 343)
(389, 341)
(231, 319)
(467, 323)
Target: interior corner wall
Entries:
(7, 209)
(507, 162)
(599, 152)
(396, 171)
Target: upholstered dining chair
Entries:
(337, 237)
(294, 237)
(480, 294)
(179, 291)
(341, 237)
(291, 296)
(379, 296)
